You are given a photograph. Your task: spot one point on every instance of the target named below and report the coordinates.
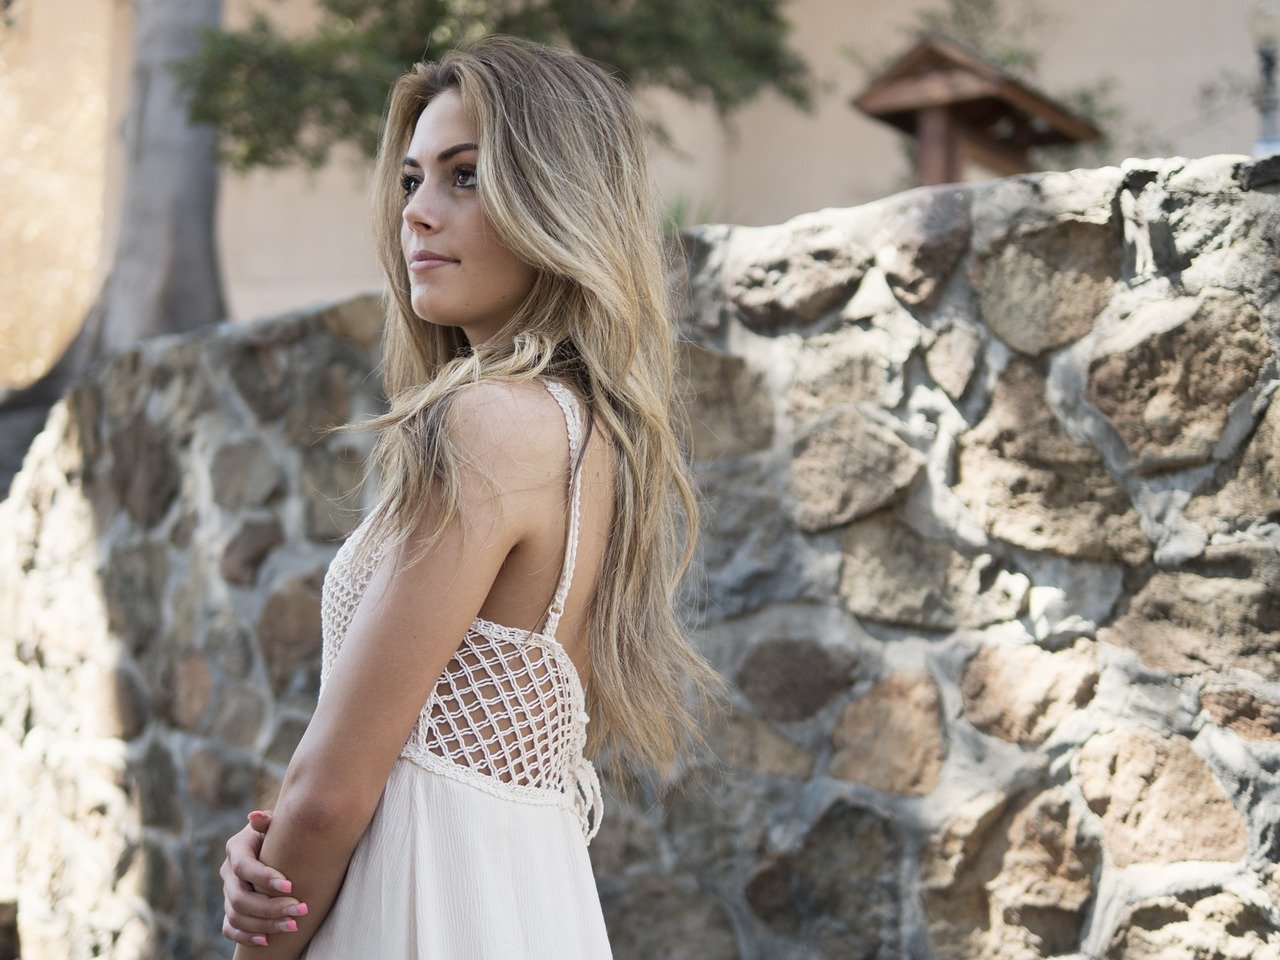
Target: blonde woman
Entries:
(505, 611)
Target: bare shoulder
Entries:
(516, 431)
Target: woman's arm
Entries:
(405, 629)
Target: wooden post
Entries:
(938, 156)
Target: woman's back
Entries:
(528, 578)
(478, 847)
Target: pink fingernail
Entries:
(284, 886)
(260, 941)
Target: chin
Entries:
(426, 309)
(434, 318)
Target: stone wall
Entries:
(160, 567)
(991, 555)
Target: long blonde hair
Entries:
(564, 183)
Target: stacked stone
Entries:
(160, 571)
(993, 480)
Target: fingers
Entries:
(242, 855)
(250, 915)
(254, 912)
(250, 910)
(239, 916)
(252, 939)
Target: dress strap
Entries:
(568, 403)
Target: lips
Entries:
(430, 255)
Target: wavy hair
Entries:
(563, 181)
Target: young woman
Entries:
(515, 581)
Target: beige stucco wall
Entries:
(57, 154)
(290, 238)
(1158, 51)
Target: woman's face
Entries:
(480, 283)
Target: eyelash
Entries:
(406, 181)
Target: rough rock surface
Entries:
(1021, 693)
(1158, 800)
(891, 738)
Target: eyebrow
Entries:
(444, 154)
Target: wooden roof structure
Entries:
(959, 106)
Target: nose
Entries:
(420, 212)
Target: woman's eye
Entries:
(407, 182)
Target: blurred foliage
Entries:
(280, 100)
(682, 211)
(1001, 32)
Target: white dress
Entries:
(478, 847)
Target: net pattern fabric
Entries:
(508, 713)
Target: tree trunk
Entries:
(165, 275)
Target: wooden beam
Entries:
(937, 88)
(1059, 119)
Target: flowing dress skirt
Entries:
(447, 871)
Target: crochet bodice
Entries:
(508, 713)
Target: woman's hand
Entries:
(251, 914)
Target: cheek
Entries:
(505, 271)
(519, 279)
